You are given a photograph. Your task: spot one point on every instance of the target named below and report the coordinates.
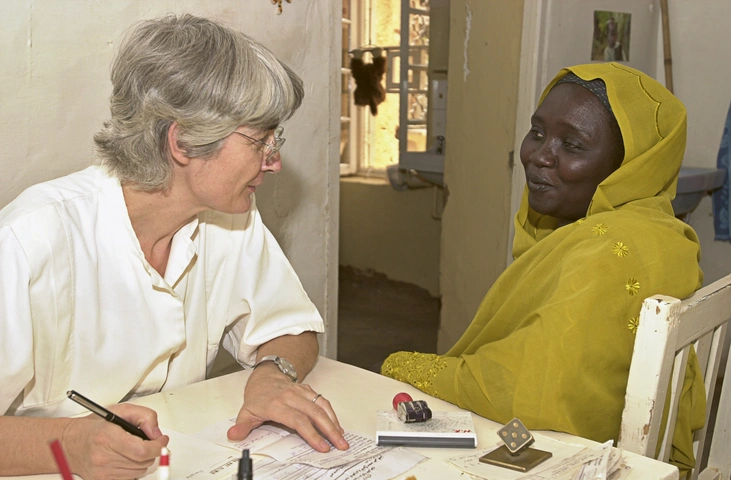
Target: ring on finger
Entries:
(314, 400)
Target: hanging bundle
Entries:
(368, 76)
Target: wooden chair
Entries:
(667, 329)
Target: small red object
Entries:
(60, 458)
(401, 397)
(164, 457)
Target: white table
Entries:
(355, 394)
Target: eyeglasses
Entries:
(270, 149)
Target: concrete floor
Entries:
(378, 316)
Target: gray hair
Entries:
(208, 78)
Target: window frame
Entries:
(356, 147)
(361, 132)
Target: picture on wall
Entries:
(611, 36)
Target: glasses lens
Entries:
(273, 148)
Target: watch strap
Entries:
(284, 366)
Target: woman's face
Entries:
(574, 144)
(226, 181)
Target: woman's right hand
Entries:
(100, 450)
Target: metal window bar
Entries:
(413, 87)
(349, 121)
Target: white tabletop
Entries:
(356, 395)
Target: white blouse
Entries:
(81, 308)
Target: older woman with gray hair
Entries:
(123, 279)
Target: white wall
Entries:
(484, 53)
(54, 92)
(701, 64)
(570, 26)
(391, 232)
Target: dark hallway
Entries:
(378, 316)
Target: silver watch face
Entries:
(287, 368)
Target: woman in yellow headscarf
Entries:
(552, 340)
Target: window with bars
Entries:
(369, 144)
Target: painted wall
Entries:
(701, 71)
(701, 81)
(484, 60)
(55, 90)
(394, 233)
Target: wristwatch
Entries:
(284, 366)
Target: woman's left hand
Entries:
(271, 395)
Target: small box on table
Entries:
(443, 430)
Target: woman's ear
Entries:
(176, 153)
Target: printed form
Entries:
(276, 453)
(569, 462)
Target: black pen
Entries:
(106, 414)
(246, 471)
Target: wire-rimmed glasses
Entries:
(270, 149)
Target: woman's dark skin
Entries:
(574, 144)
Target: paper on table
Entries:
(293, 449)
(560, 450)
(598, 468)
(217, 462)
(623, 471)
(572, 467)
(565, 463)
(257, 439)
(383, 466)
(364, 459)
(285, 447)
(210, 462)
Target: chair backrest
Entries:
(667, 329)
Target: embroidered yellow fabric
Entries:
(633, 324)
(417, 369)
(599, 229)
(620, 249)
(632, 286)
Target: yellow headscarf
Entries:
(653, 125)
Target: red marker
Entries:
(60, 458)
(401, 397)
(163, 471)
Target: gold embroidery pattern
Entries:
(418, 369)
(633, 324)
(632, 286)
(620, 249)
(579, 221)
(599, 229)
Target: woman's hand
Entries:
(100, 450)
(271, 395)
